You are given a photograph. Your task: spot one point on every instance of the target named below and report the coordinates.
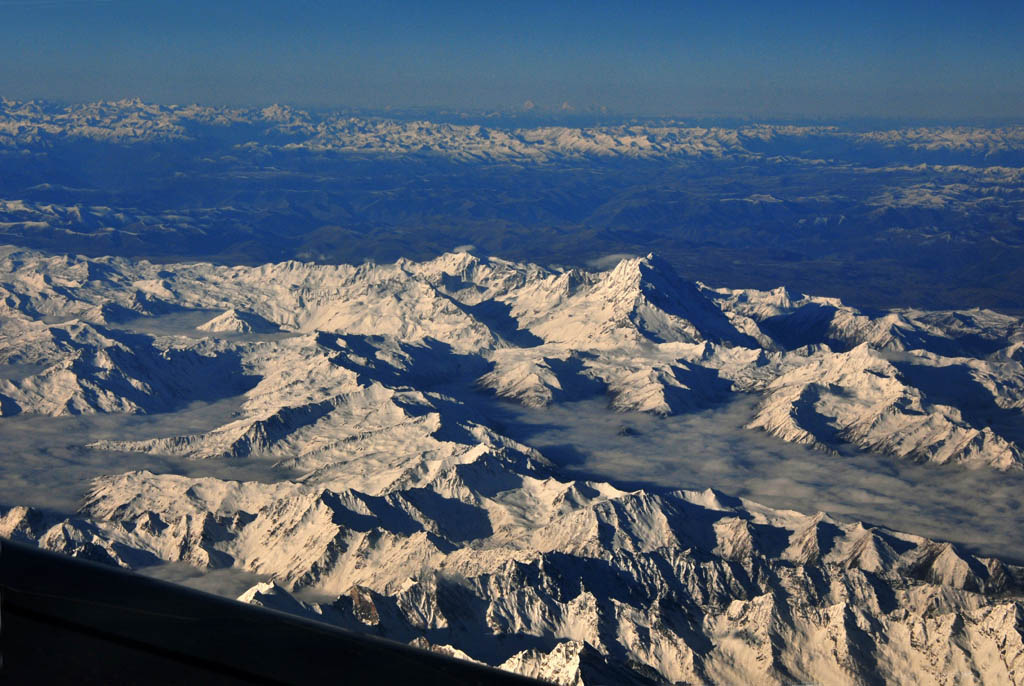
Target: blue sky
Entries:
(911, 59)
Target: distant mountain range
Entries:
(24, 124)
(925, 216)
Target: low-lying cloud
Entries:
(609, 261)
(980, 509)
(48, 466)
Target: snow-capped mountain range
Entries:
(27, 124)
(420, 520)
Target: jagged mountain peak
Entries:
(663, 306)
(238, 321)
(456, 261)
(633, 271)
(651, 277)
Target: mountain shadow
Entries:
(954, 385)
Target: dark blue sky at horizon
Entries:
(866, 59)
